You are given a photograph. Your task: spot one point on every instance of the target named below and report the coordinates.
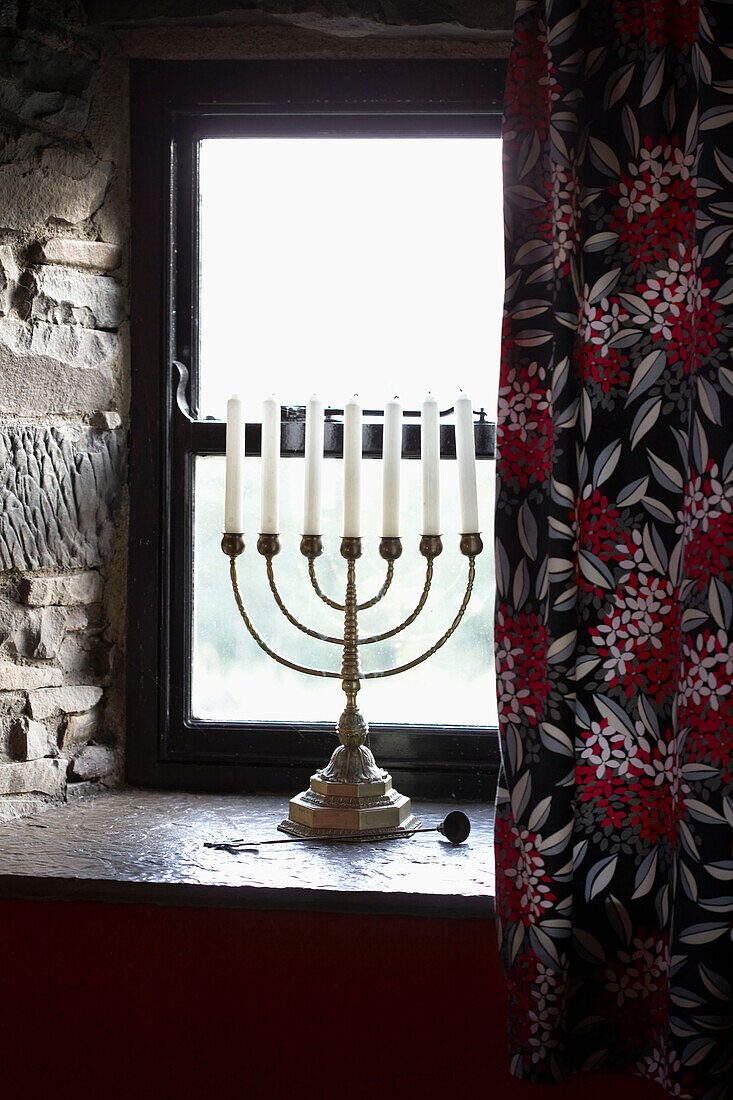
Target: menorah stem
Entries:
(352, 762)
(350, 661)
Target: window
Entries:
(239, 169)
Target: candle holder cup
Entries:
(351, 795)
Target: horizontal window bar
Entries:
(232, 121)
(433, 748)
(208, 437)
(297, 412)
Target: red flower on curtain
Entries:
(614, 543)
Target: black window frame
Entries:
(173, 105)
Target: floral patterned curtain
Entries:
(614, 543)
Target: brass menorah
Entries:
(352, 794)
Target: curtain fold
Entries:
(614, 543)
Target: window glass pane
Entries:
(342, 265)
(234, 680)
(338, 266)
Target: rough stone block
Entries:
(9, 275)
(52, 183)
(112, 220)
(80, 588)
(51, 630)
(55, 368)
(46, 702)
(89, 619)
(39, 83)
(12, 703)
(77, 729)
(6, 725)
(93, 762)
(77, 619)
(27, 677)
(60, 492)
(18, 632)
(33, 776)
(82, 792)
(26, 633)
(98, 255)
(108, 421)
(13, 806)
(79, 654)
(13, 626)
(28, 740)
(77, 298)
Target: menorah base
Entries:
(358, 810)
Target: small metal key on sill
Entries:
(455, 827)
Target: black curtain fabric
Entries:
(614, 542)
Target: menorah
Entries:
(351, 795)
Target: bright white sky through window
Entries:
(339, 266)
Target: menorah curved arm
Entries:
(410, 618)
(261, 643)
(441, 641)
(340, 606)
(382, 591)
(291, 618)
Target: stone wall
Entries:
(63, 384)
(64, 346)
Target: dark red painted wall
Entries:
(111, 1001)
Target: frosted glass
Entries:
(234, 680)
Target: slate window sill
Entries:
(147, 847)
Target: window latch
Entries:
(182, 391)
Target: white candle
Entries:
(352, 469)
(391, 460)
(269, 515)
(466, 459)
(430, 460)
(234, 493)
(313, 467)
